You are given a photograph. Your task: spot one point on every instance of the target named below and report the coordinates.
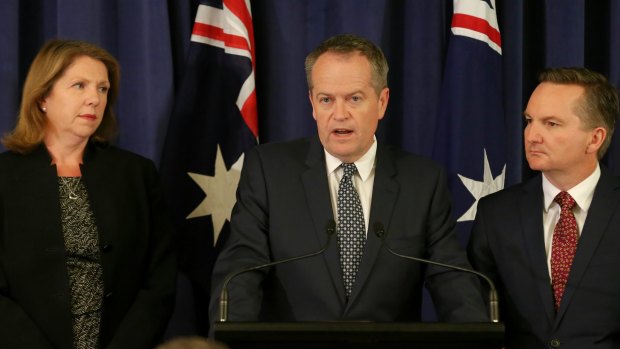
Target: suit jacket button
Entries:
(108, 295)
(106, 248)
(555, 343)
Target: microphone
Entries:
(330, 228)
(493, 303)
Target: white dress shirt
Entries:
(582, 193)
(363, 181)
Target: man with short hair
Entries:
(288, 193)
(552, 243)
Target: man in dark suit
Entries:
(289, 192)
(552, 243)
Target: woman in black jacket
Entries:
(86, 258)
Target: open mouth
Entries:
(342, 131)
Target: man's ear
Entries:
(384, 98)
(312, 104)
(597, 137)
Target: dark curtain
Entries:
(136, 32)
(150, 39)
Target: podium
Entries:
(358, 335)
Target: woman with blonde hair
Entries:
(86, 259)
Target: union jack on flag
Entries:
(477, 21)
(230, 28)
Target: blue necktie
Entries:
(351, 227)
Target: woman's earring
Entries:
(44, 109)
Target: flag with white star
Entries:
(470, 130)
(213, 123)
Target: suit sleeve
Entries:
(246, 246)
(456, 295)
(147, 318)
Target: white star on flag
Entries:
(220, 192)
(481, 189)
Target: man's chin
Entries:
(345, 155)
(536, 166)
(536, 162)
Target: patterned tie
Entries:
(351, 227)
(564, 245)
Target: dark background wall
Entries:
(151, 39)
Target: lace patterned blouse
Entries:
(83, 262)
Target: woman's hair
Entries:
(48, 66)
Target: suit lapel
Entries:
(384, 196)
(533, 235)
(604, 205)
(316, 188)
(38, 185)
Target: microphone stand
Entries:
(330, 229)
(493, 302)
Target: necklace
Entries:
(72, 194)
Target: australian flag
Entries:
(470, 133)
(213, 123)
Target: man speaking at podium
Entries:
(290, 194)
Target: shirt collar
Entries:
(582, 192)
(364, 164)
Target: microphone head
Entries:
(330, 227)
(379, 230)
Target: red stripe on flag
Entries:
(239, 9)
(477, 24)
(249, 110)
(216, 33)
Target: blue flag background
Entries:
(203, 152)
(172, 89)
(470, 137)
